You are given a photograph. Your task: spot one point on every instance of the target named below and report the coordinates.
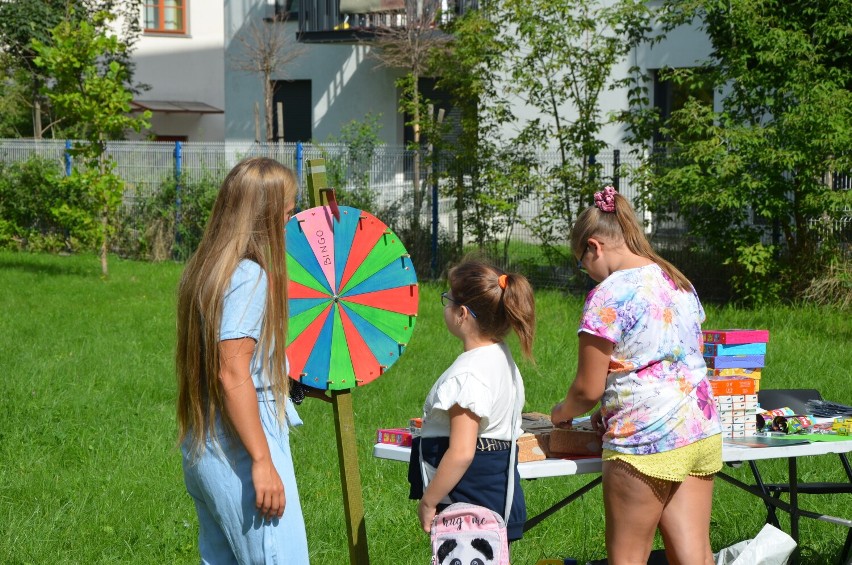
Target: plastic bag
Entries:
(770, 547)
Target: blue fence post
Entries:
(299, 157)
(178, 170)
(67, 157)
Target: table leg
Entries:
(794, 506)
(535, 520)
(771, 516)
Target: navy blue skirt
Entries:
(484, 483)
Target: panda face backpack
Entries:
(468, 534)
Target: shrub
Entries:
(153, 232)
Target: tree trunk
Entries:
(267, 100)
(36, 118)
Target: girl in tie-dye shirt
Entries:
(640, 357)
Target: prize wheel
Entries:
(353, 298)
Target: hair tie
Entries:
(501, 281)
(605, 199)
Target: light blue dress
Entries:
(219, 481)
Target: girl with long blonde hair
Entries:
(233, 409)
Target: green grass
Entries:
(90, 473)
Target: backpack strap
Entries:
(510, 483)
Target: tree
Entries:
(410, 47)
(89, 90)
(760, 168)
(566, 58)
(266, 50)
(488, 175)
(24, 21)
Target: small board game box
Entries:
(395, 436)
(739, 361)
(734, 337)
(730, 386)
(735, 372)
(720, 349)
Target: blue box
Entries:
(738, 361)
(717, 349)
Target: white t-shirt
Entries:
(479, 380)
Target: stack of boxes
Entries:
(735, 359)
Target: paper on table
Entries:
(764, 441)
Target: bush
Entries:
(152, 232)
(41, 210)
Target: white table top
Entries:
(560, 467)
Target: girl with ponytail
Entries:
(473, 411)
(640, 356)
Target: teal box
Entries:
(716, 349)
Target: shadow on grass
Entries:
(36, 265)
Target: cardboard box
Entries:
(735, 372)
(720, 349)
(531, 448)
(728, 386)
(739, 361)
(734, 337)
(580, 439)
(395, 436)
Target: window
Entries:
(165, 16)
(293, 98)
(286, 9)
(670, 96)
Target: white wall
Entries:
(189, 68)
(345, 85)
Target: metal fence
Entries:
(385, 179)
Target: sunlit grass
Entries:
(89, 471)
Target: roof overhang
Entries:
(174, 107)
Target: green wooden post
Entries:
(350, 476)
(318, 187)
(344, 416)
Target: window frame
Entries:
(160, 6)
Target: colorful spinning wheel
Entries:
(353, 297)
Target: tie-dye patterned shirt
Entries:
(657, 396)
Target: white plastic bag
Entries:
(770, 547)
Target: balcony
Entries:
(354, 21)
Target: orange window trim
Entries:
(160, 6)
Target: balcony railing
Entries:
(346, 21)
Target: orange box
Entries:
(729, 386)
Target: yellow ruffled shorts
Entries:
(704, 457)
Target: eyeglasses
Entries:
(445, 299)
(580, 266)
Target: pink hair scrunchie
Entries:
(605, 199)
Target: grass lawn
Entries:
(90, 472)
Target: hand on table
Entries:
(557, 416)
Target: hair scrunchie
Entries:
(605, 199)
(501, 281)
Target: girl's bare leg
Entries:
(633, 504)
(685, 522)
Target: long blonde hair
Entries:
(247, 222)
(620, 226)
(501, 301)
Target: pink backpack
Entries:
(468, 534)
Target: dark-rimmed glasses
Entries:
(580, 266)
(445, 299)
